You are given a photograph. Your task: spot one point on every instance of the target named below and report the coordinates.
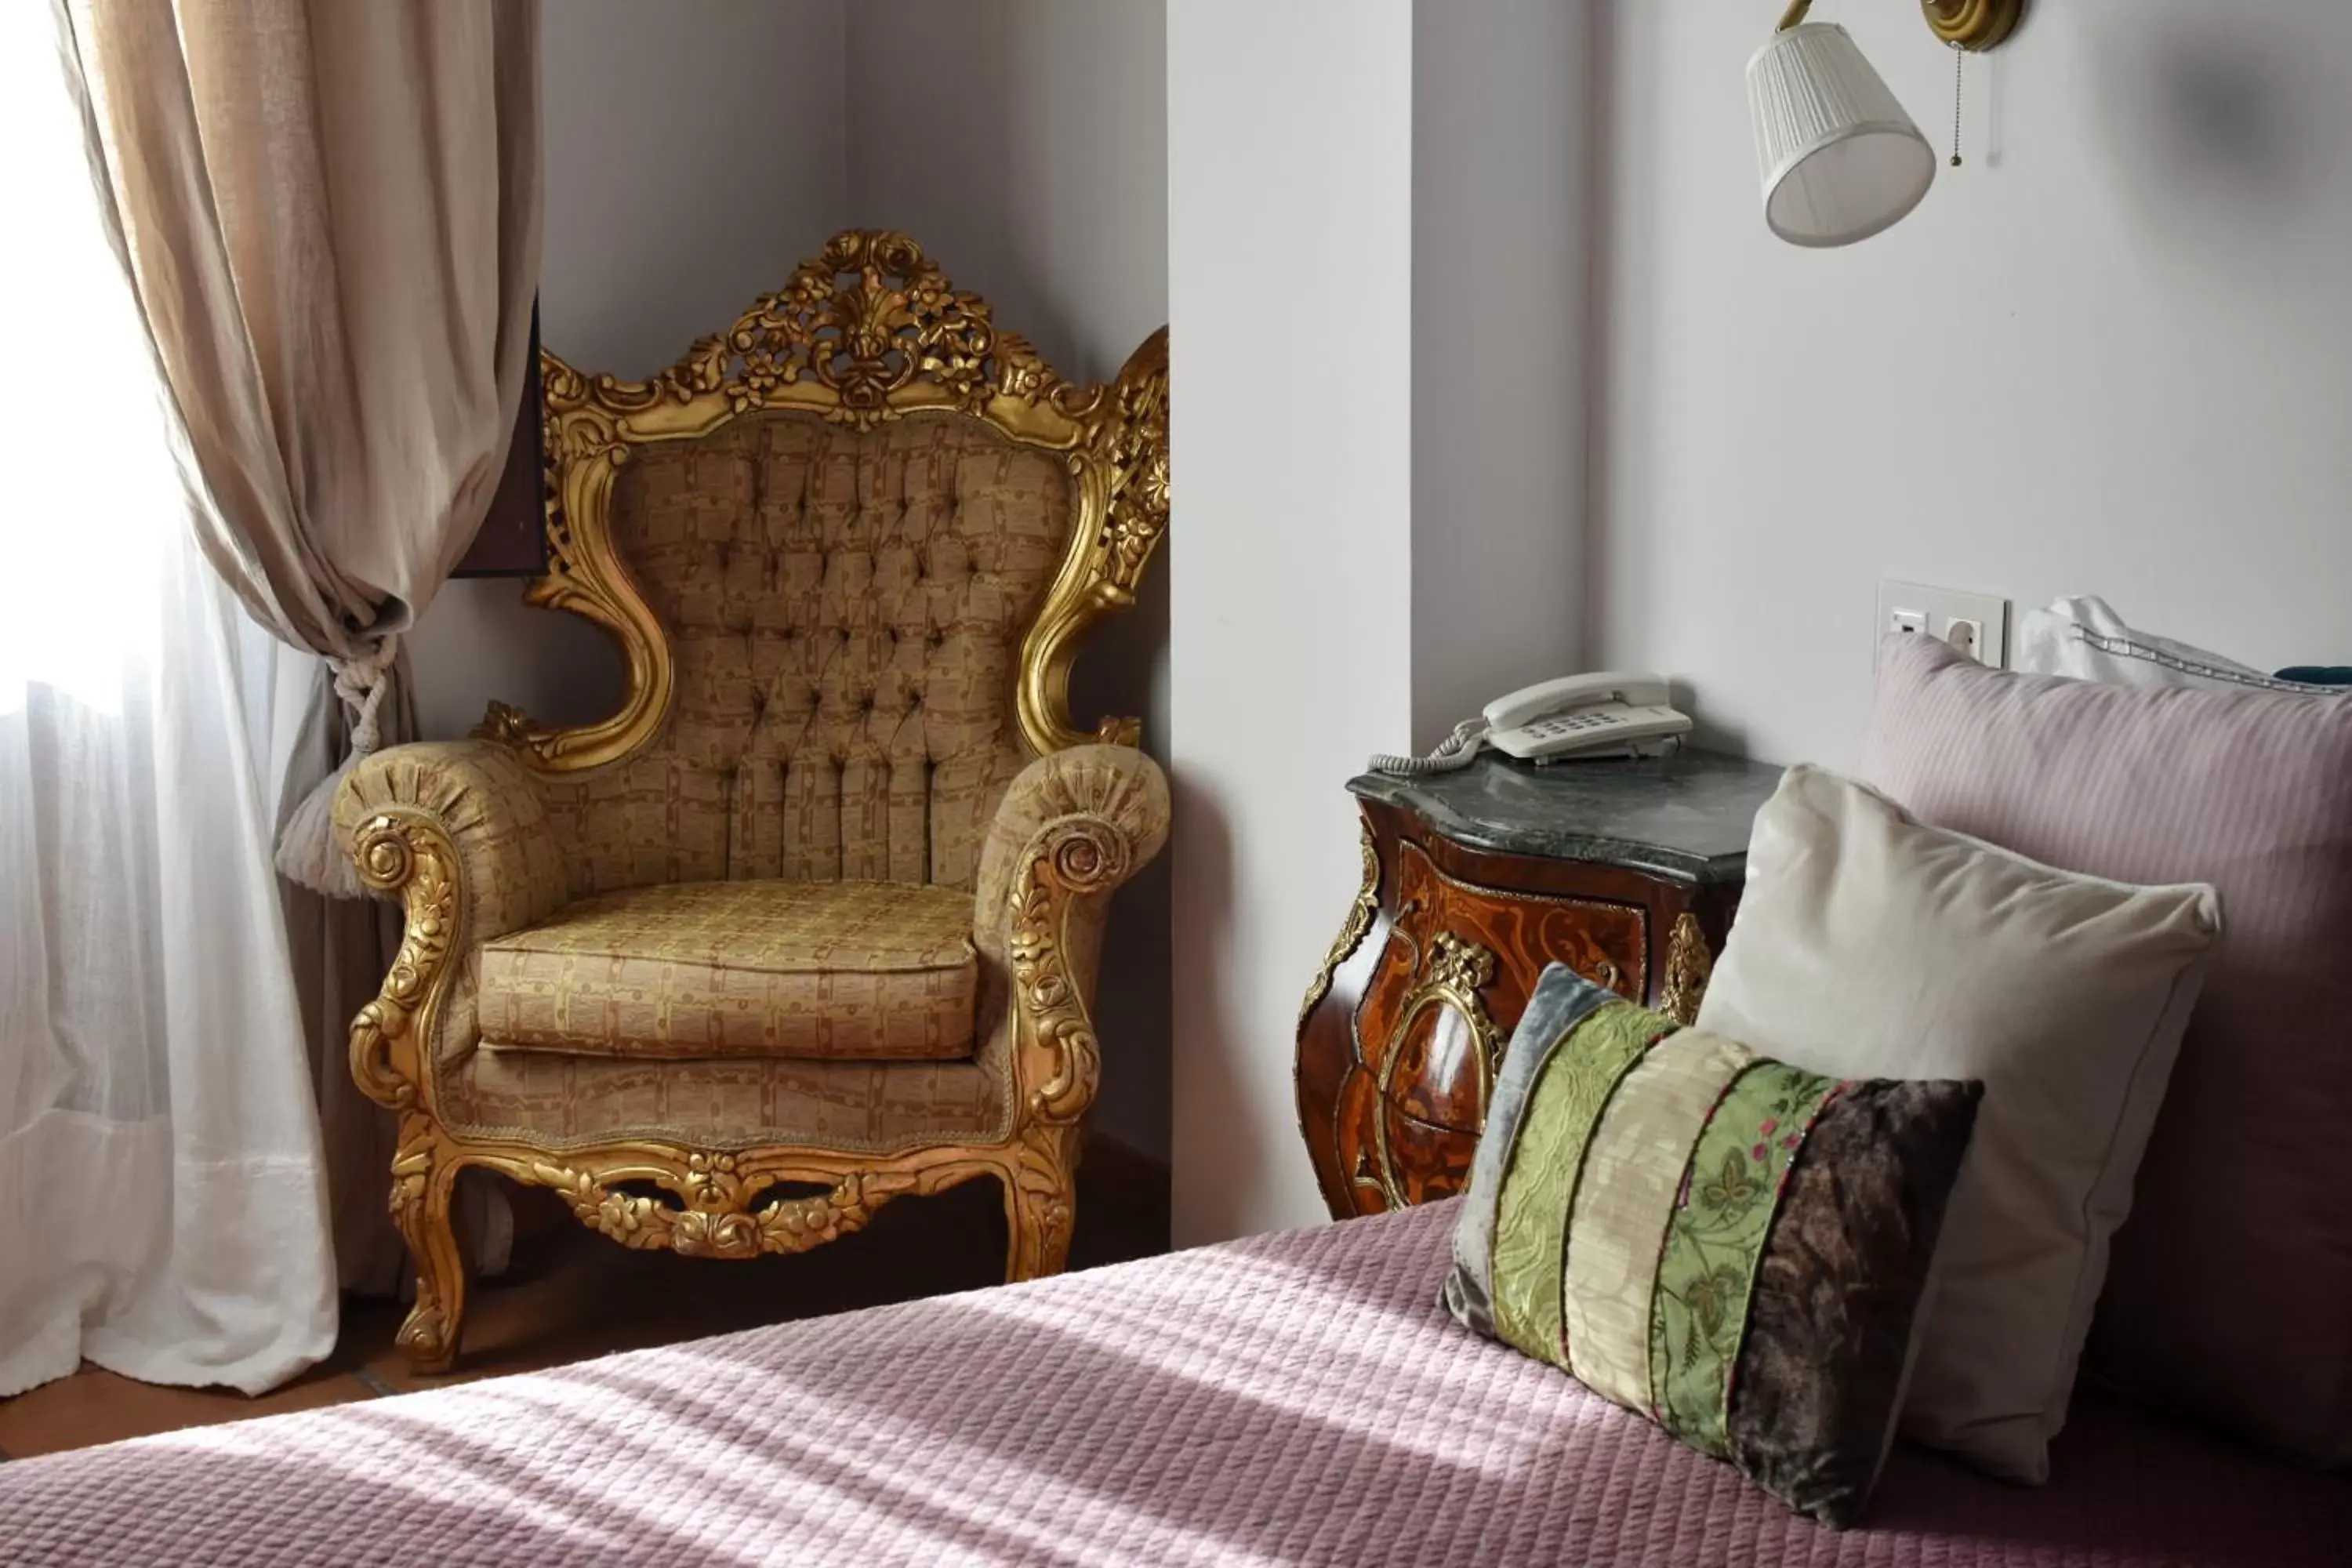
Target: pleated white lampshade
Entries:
(1840, 158)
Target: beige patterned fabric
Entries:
(847, 971)
(845, 610)
(878, 1107)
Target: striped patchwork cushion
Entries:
(1729, 1245)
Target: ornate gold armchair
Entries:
(813, 920)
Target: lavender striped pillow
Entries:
(2230, 1289)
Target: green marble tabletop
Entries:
(1684, 816)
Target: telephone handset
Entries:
(1612, 712)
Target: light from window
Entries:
(89, 491)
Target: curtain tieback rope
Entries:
(307, 850)
(360, 682)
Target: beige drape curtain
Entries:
(332, 215)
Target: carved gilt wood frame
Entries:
(867, 331)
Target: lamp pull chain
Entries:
(1960, 63)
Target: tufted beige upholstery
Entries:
(846, 610)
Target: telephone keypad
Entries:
(1569, 724)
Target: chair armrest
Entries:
(1074, 825)
(457, 831)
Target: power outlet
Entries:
(1975, 624)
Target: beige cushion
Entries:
(838, 971)
(1869, 945)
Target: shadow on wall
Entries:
(1124, 670)
(478, 642)
(957, 169)
(1710, 730)
(1218, 1041)
(693, 155)
(2220, 123)
(1615, 183)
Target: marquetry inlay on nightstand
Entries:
(1473, 881)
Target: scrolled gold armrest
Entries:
(458, 833)
(1076, 824)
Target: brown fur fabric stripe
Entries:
(1814, 1392)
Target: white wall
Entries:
(2113, 353)
(1290, 240)
(1499, 238)
(1024, 142)
(694, 154)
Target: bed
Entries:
(1297, 1398)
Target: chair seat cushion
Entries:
(824, 971)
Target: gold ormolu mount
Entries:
(1973, 25)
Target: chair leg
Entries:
(1040, 1202)
(420, 1207)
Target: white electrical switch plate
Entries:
(1975, 623)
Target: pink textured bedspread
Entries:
(1291, 1399)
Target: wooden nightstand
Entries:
(1627, 870)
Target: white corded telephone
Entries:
(1613, 713)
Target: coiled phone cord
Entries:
(1456, 751)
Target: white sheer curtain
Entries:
(163, 1200)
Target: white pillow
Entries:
(2084, 637)
(1869, 945)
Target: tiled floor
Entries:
(573, 1295)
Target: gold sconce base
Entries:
(1973, 24)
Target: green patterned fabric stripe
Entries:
(1562, 1000)
(1706, 1265)
(1532, 1217)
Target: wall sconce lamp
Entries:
(1840, 158)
